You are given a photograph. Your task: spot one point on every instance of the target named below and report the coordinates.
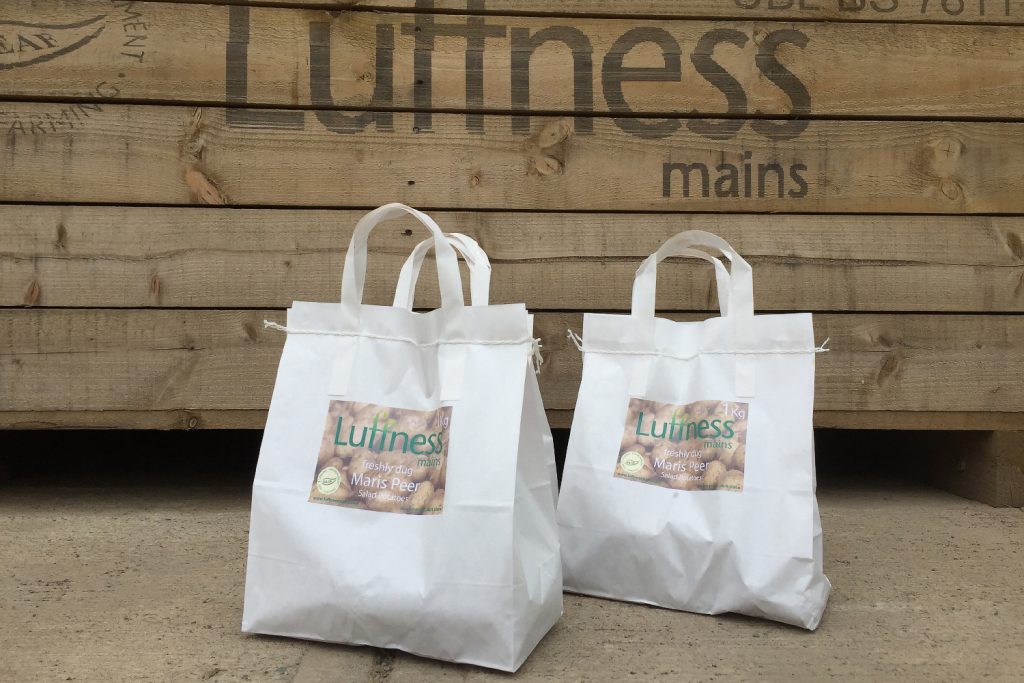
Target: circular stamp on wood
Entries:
(26, 43)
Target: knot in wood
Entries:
(951, 189)
(194, 142)
(32, 293)
(949, 149)
(1015, 245)
(942, 156)
(203, 189)
(545, 165)
(554, 133)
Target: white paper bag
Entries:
(403, 493)
(689, 478)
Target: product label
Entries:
(383, 459)
(697, 447)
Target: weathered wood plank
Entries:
(986, 466)
(177, 155)
(996, 11)
(918, 420)
(71, 256)
(135, 419)
(558, 419)
(277, 56)
(90, 360)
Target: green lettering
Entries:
(373, 433)
(640, 424)
(352, 437)
(676, 416)
(717, 426)
(337, 434)
(728, 425)
(417, 440)
(702, 428)
(405, 443)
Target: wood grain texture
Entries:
(134, 355)
(96, 359)
(82, 256)
(985, 466)
(557, 419)
(279, 56)
(918, 420)
(134, 419)
(138, 154)
(997, 11)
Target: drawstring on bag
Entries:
(577, 341)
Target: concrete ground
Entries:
(143, 582)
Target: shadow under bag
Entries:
(689, 479)
(404, 492)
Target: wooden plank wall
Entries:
(174, 173)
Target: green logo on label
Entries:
(328, 481)
(632, 462)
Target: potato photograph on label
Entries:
(383, 459)
(700, 446)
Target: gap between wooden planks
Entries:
(90, 256)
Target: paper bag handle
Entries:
(467, 247)
(735, 293)
(739, 287)
(354, 275)
(723, 281)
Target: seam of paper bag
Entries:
(584, 348)
(330, 333)
(720, 352)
